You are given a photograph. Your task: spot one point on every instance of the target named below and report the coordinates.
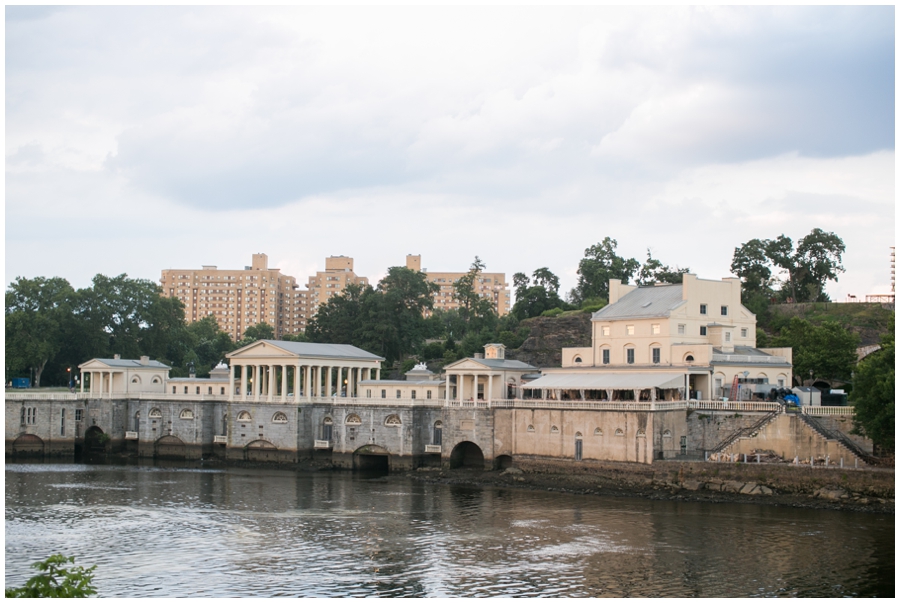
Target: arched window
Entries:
(554, 429)
(641, 433)
(279, 417)
(530, 429)
(629, 354)
(577, 359)
(667, 434)
(577, 435)
(327, 426)
(155, 380)
(392, 420)
(353, 419)
(438, 433)
(244, 417)
(598, 432)
(155, 413)
(135, 379)
(689, 358)
(619, 432)
(186, 414)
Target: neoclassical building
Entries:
(669, 342)
(286, 371)
(113, 376)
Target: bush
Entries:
(552, 313)
(55, 581)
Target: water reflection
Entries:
(178, 530)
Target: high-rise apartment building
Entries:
(240, 298)
(337, 275)
(490, 285)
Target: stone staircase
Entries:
(746, 432)
(840, 438)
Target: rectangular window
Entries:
(78, 412)
(428, 394)
(655, 355)
(654, 329)
(703, 330)
(604, 331)
(629, 329)
(413, 394)
(605, 356)
(398, 393)
(368, 393)
(629, 355)
(62, 422)
(724, 310)
(743, 333)
(781, 383)
(702, 308)
(727, 336)
(384, 393)
(681, 329)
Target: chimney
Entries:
(145, 360)
(116, 357)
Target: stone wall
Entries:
(707, 429)
(789, 437)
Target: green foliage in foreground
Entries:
(56, 581)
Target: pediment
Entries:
(466, 364)
(93, 364)
(261, 349)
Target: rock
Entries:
(732, 486)
(766, 491)
(519, 479)
(692, 485)
(512, 471)
(831, 493)
(748, 488)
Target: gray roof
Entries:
(125, 363)
(643, 302)
(323, 350)
(399, 382)
(502, 363)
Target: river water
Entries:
(182, 531)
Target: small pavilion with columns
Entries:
(288, 371)
(108, 376)
(488, 376)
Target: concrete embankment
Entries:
(868, 490)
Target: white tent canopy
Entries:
(607, 381)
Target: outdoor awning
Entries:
(607, 381)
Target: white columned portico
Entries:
(328, 383)
(490, 388)
(307, 382)
(82, 382)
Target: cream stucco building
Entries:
(668, 342)
(116, 376)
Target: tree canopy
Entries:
(873, 394)
(599, 265)
(533, 300)
(828, 349)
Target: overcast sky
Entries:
(139, 139)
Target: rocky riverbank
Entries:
(710, 489)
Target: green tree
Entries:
(873, 394)
(653, 271)
(546, 279)
(599, 265)
(520, 283)
(829, 350)
(208, 344)
(475, 309)
(257, 332)
(751, 264)
(37, 313)
(341, 318)
(56, 580)
(119, 308)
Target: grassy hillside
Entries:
(870, 321)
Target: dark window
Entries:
(702, 308)
(703, 330)
(413, 394)
(78, 412)
(629, 355)
(577, 450)
(724, 310)
(384, 393)
(326, 432)
(438, 435)
(398, 393)
(655, 355)
(62, 422)
(428, 394)
(605, 356)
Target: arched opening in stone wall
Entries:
(95, 440)
(260, 450)
(28, 444)
(504, 461)
(168, 447)
(372, 459)
(467, 455)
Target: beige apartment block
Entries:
(490, 285)
(239, 298)
(324, 285)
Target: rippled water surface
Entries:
(180, 531)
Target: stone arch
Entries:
(530, 429)
(136, 379)
(244, 417)
(667, 434)
(155, 413)
(578, 435)
(619, 431)
(260, 450)
(279, 417)
(393, 421)
(467, 454)
(28, 444)
(169, 446)
(641, 434)
(156, 380)
(95, 440)
(371, 457)
(598, 432)
(554, 429)
(504, 461)
(689, 357)
(187, 414)
(353, 419)
(577, 360)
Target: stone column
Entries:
(284, 383)
(490, 388)
(256, 382)
(297, 383)
(447, 389)
(243, 390)
(82, 382)
(307, 382)
(328, 383)
(231, 382)
(378, 373)
(460, 381)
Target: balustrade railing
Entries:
(827, 411)
(746, 405)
